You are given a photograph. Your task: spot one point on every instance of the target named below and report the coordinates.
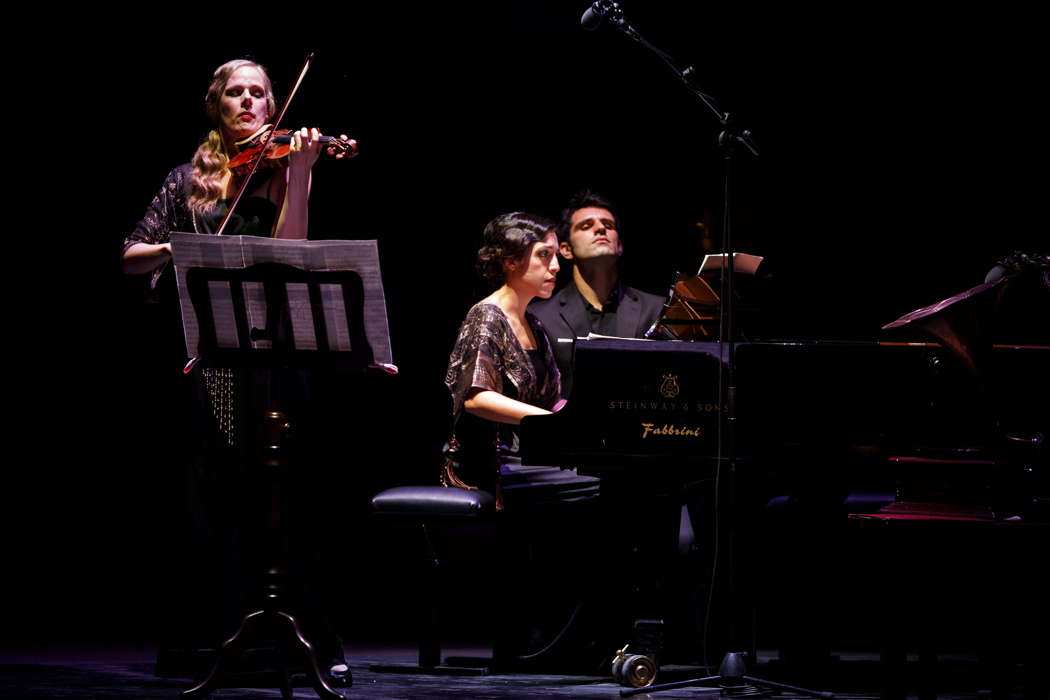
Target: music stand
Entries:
(268, 305)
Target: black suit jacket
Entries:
(563, 316)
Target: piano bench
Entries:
(432, 506)
(426, 502)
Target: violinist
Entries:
(221, 406)
(195, 197)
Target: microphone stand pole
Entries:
(731, 670)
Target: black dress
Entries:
(222, 544)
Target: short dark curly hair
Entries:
(580, 200)
(507, 237)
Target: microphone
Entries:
(601, 10)
(592, 17)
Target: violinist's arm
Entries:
(141, 258)
(492, 405)
(294, 219)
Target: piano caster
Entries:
(633, 670)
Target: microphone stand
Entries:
(731, 670)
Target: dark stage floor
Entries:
(128, 673)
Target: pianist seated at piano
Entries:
(502, 368)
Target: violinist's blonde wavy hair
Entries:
(209, 162)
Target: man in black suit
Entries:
(595, 301)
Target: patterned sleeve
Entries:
(166, 213)
(477, 359)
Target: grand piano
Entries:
(933, 411)
(932, 385)
(655, 404)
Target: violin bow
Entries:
(266, 143)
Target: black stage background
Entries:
(898, 162)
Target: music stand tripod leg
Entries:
(230, 650)
(285, 632)
(293, 638)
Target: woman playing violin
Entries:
(195, 197)
(223, 405)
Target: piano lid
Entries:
(957, 322)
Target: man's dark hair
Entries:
(581, 200)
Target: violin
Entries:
(276, 148)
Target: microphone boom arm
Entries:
(610, 11)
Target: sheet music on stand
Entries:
(743, 263)
(318, 321)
